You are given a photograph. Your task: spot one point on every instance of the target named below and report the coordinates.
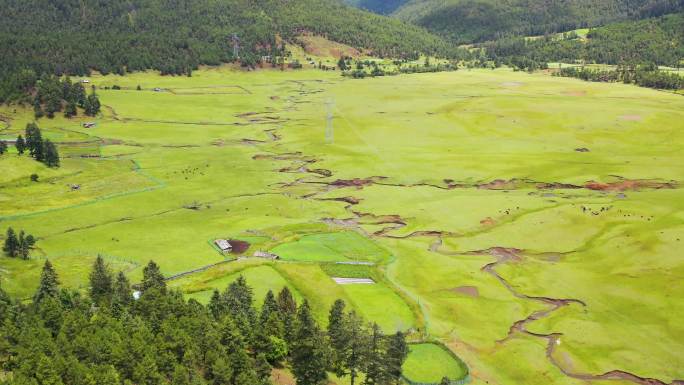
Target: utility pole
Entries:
(329, 133)
(236, 46)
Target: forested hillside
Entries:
(108, 338)
(466, 21)
(654, 41)
(175, 36)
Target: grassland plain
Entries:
(531, 223)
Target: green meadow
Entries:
(429, 363)
(480, 200)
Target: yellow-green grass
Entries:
(429, 363)
(176, 173)
(20, 277)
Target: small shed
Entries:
(265, 254)
(89, 124)
(224, 245)
(85, 81)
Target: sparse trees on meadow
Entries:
(18, 246)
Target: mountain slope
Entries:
(174, 36)
(466, 21)
(650, 41)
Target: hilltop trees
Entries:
(46, 39)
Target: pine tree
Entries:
(49, 283)
(34, 141)
(181, 376)
(268, 338)
(5, 304)
(309, 351)
(100, 281)
(397, 351)
(263, 370)
(92, 104)
(70, 110)
(20, 144)
(11, 245)
(24, 244)
(79, 94)
(216, 306)
(3, 147)
(342, 64)
(122, 295)
(153, 278)
(287, 309)
(51, 154)
(269, 307)
(238, 301)
(37, 108)
(353, 359)
(221, 372)
(339, 336)
(46, 372)
(375, 369)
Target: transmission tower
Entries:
(236, 46)
(329, 133)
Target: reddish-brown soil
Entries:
(498, 184)
(628, 184)
(470, 291)
(356, 182)
(239, 246)
(488, 222)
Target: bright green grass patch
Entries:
(347, 271)
(378, 303)
(429, 363)
(331, 247)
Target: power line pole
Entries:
(329, 133)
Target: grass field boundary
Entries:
(136, 168)
(411, 300)
(464, 380)
(197, 270)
